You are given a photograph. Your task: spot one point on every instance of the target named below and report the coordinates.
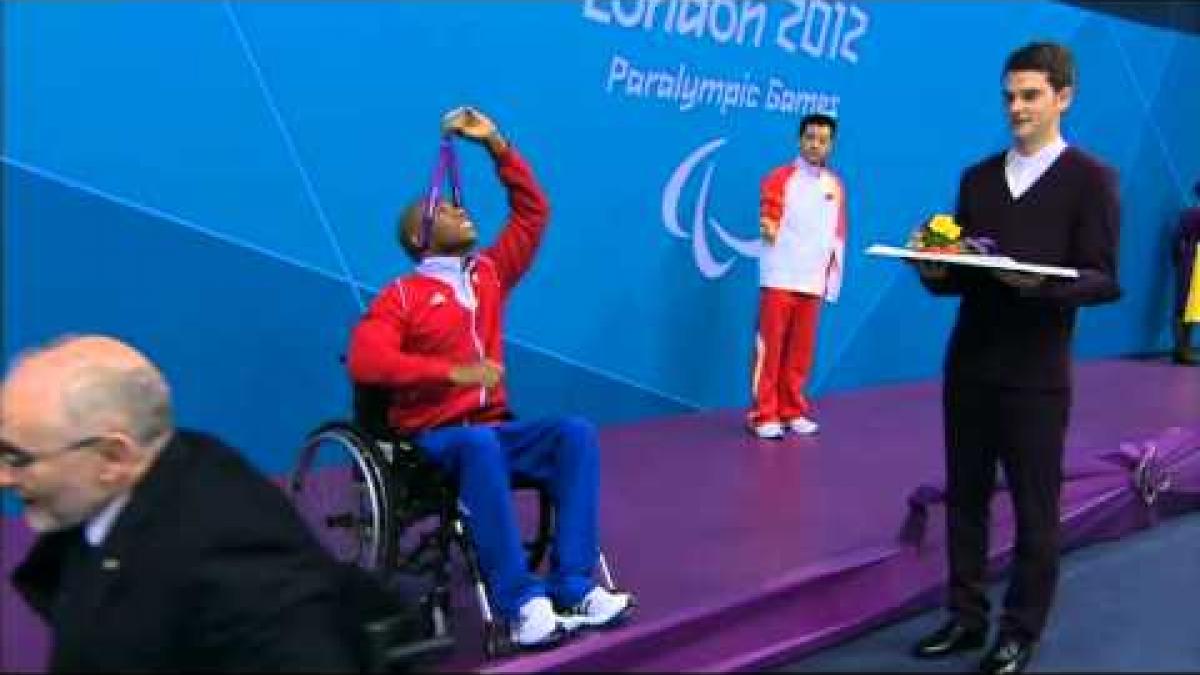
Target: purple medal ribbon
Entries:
(981, 245)
(445, 169)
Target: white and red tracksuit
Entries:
(448, 313)
(803, 266)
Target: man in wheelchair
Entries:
(433, 338)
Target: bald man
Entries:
(159, 550)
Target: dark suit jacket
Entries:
(208, 567)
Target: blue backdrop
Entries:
(217, 182)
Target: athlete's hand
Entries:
(769, 229)
(472, 124)
(485, 373)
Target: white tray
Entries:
(998, 262)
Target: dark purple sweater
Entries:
(1070, 217)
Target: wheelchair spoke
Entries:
(341, 499)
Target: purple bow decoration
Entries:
(981, 245)
(912, 531)
(1153, 464)
(444, 170)
(1150, 477)
(1162, 472)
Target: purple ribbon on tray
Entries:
(981, 245)
(444, 170)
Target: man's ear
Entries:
(121, 456)
(1064, 98)
(410, 227)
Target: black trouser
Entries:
(1023, 430)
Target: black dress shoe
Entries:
(1010, 654)
(950, 638)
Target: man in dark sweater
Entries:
(1007, 389)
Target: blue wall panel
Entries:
(216, 180)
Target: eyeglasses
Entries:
(15, 457)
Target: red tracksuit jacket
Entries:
(415, 330)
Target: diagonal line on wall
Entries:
(1148, 113)
(311, 193)
(169, 217)
(1032, 18)
(266, 252)
(608, 375)
(1159, 137)
(290, 144)
(866, 314)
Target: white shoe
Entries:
(600, 608)
(537, 625)
(803, 425)
(769, 430)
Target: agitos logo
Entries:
(701, 222)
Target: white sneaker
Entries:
(537, 625)
(769, 430)
(600, 608)
(803, 425)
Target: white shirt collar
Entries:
(1021, 171)
(440, 264)
(1043, 156)
(451, 270)
(805, 168)
(99, 525)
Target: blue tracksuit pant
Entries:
(561, 452)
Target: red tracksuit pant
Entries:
(783, 355)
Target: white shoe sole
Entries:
(555, 638)
(771, 434)
(576, 621)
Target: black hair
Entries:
(818, 119)
(1050, 58)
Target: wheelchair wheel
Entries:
(341, 487)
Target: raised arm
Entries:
(528, 209)
(528, 213)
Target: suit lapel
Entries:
(140, 512)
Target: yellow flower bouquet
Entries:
(940, 234)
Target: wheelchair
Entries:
(374, 501)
